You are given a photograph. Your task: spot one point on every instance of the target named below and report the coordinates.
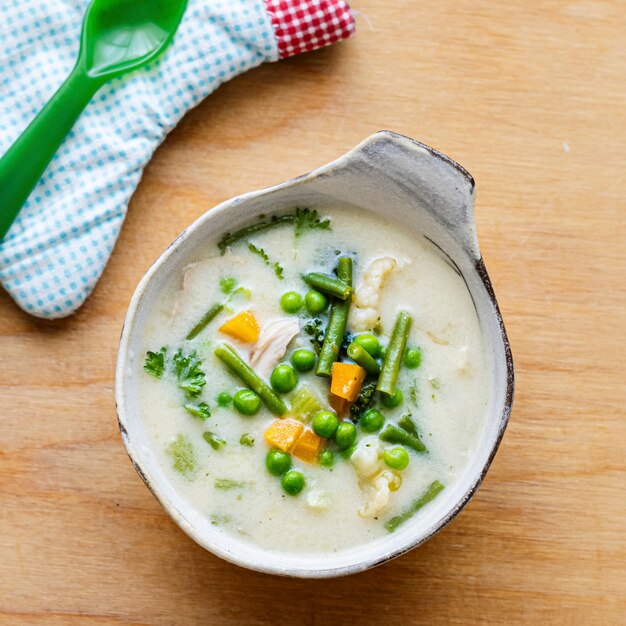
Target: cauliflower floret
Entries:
(366, 458)
(364, 314)
(386, 482)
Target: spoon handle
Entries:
(26, 160)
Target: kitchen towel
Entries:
(57, 248)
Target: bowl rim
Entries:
(123, 350)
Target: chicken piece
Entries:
(272, 345)
(364, 313)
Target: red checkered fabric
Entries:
(305, 25)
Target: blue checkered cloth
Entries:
(55, 252)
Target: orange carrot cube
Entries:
(341, 406)
(282, 434)
(243, 327)
(308, 446)
(346, 380)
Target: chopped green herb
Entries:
(184, 460)
(155, 362)
(187, 369)
(302, 219)
(434, 383)
(314, 329)
(364, 401)
(414, 393)
(215, 441)
(278, 269)
(227, 484)
(227, 285)
(246, 440)
(430, 494)
(201, 410)
(217, 519)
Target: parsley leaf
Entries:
(201, 410)
(227, 285)
(309, 220)
(187, 369)
(155, 362)
(278, 269)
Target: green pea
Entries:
(224, 399)
(412, 358)
(315, 302)
(396, 458)
(345, 435)
(291, 302)
(325, 424)
(327, 458)
(277, 462)
(392, 401)
(283, 378)
(369, 343)
(303, 360)
(246, 402)
(293, 482)
(372, 420)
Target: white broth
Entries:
(446, 395)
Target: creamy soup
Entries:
(313, 384)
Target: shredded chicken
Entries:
(272, 344)
(364, 313)
(182, 292)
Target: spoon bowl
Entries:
(121, 35)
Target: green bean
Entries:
(393, 357)
(406, 423)
(430, 494)
(251, 379)
(361, 356)
(393, 434)
(208, 317)
(337, 322)
(328, 284)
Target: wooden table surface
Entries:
(531, 98)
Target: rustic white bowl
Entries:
(417, 188)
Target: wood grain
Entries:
(531, 98)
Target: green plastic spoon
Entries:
(118, 36)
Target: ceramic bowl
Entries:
(416, 187)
